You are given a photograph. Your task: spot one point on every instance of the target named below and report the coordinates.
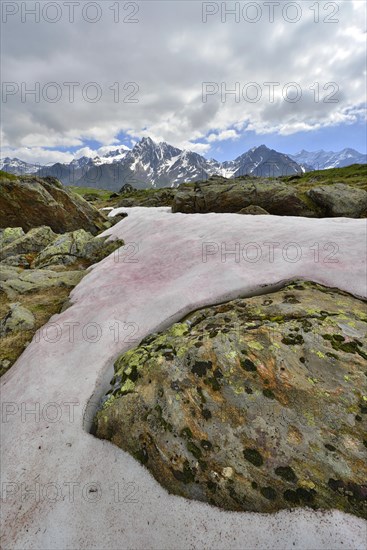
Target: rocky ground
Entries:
(274, 196)
(40, 264)
(323, 193)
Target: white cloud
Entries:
(226, 134)
(169, 54)
(37, 155)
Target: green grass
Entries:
(100, 194)
(354, 175)
(7, 176)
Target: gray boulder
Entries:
(18, 318)
(340, 200)
(224, 195)
(33, 280)
(31, 243)
(77, 245)
(31, 201)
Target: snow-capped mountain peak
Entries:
(152, 164)
(323, 160)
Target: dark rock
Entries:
(253, 210)
(340, 200)
(127, 188)
(30, 201)
(223, 195)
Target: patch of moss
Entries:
(253, 456)
(293, 339)
(206, 414)
(186, 433)
(286, 473)
(268, 393)
(269, 493)
(200, 368)
(212, 486)
(248, 365)
(291, 496)
(194, 450)
(213, 382)
(187, 475)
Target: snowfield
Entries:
(64, 489)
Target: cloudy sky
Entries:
(110, 72)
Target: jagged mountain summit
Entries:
(261, 161)
(17, 166)
(323, 160)
(151, 164)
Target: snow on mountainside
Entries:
(151, 164)
(323, 160)
(261, 161)
(17, 166)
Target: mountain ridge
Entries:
(154, 165)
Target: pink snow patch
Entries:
(64, 489)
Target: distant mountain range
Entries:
(323, 160)
(150, 164)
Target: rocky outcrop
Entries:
(257, 404)
(340, 200)
(17, 282)
(30, 243)
(127, 188)
(39, 268)
(41, 247)
(77, 245)
(276, 197)
(223, 195)
(30, 201)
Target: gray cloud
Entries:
(169, 53)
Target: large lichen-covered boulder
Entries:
(31, 201)
(257, 404)
(340, 200)
(33, 241)
(76, 245)
(225, 195)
